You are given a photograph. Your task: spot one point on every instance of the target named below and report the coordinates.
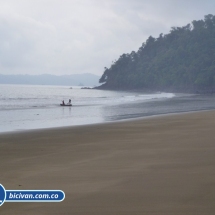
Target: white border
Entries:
(2, 201)
(35, 200)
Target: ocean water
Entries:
(24, 107)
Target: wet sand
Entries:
(157, 166)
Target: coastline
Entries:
(28, 110)
(192, 90)
(156, 165)
(103, 123)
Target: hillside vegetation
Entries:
(182, 61)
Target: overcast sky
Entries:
(84, 36)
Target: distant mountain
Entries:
(86, 79)
(181, 61)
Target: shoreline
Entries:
(199, 91)
(102, 108)
(160, 165)
(104, 123)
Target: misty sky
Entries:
(83, 36)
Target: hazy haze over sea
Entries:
(24, 107)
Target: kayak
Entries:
(66, 105)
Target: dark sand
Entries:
(160, 166)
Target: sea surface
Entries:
(24, 107)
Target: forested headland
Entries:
(180, 61)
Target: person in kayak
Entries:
(69, 103)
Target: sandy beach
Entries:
(157, 166)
